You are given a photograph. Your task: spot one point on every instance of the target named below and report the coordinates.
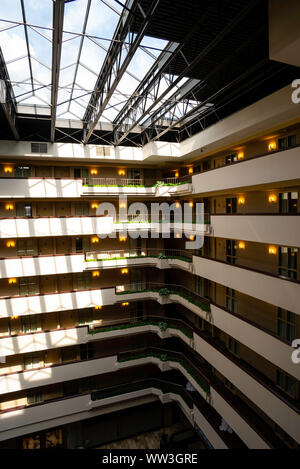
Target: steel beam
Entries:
(7, 98)
(131, 111)
(58, 20)
(114, 68)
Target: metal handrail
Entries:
(141, 252)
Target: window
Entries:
(287, 142)
(286, 324)
(288, 262)
(24, 210)
(22, 171)
(86, 351)
(82, 244)
(83, 281)
(78, 244)
(25, 247)
(32, 361)
(28, 286)
(81, 209)
(85, 316)
(34, 398)
(288, 202)
(136, 311)
(39, 147)
(286, 383)
(29, 323)
(81, 173)
(231, 159)
(234, 347)
(231, 302)
(231, 205)
(231, 251)
(133, 173)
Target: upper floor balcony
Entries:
(268, 169)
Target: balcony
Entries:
(273, 290)
(260, 228)
(21, 188)
(137, 187)
(267, 169)
(160, 258)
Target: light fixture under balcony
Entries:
(12, 281)
(241, 200)
(98, 307)
(125, 303)
(94, 205)
(178, 235)
(96, 273)
(192, 238)
(9, 206)
(122, 239)
(240, 155)
(124, 271)
(272, 198)
(176, 174)
(122, 205)
(121, 172)
(242, 245)
(10, 244)
(94, 172)
(14, 317)
(94, 239)
(191, 170)
(8, 169)
(191, 204)
(273, 250)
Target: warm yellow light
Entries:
(94, 171)
(177, 205)
(8, 169)
(94, 239)
(122, 205)
(94, 205)
(10, 244)
(9, 206)
(177, 235)
(192, 238)
(241, 200)
(12, 281)
(121, 172)
(14, 317)
(272, 145)
(191, 170)
(191, 204)
(242, 245)
(124, 271)
(240, 155)
(122, 239)
(96, 273)
(272, 250)
(177, 174)
(98, 307)
(125, 303)
(272, 198)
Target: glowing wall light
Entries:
(94, 172)
(94, 205)
(192, 238)
(126, 303)
(242, 245)
(96, 273)
(241, 200)
(272, 198)
(272, 145)
(176, 174)
(12, 281)
(10, 244)
(122, 239)
(121, 172)
(9, 206)
(191, 170)
(273, 250)
(124, 271)
(98, 307)
(8, 169)
(94, 239)
(122, 205)
(191, 204)
(240, 155)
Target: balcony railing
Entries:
(184, 255)
(127, 182)
(164, 290)
(171, 356)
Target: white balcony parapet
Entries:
(19, 188)
(274, 229)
